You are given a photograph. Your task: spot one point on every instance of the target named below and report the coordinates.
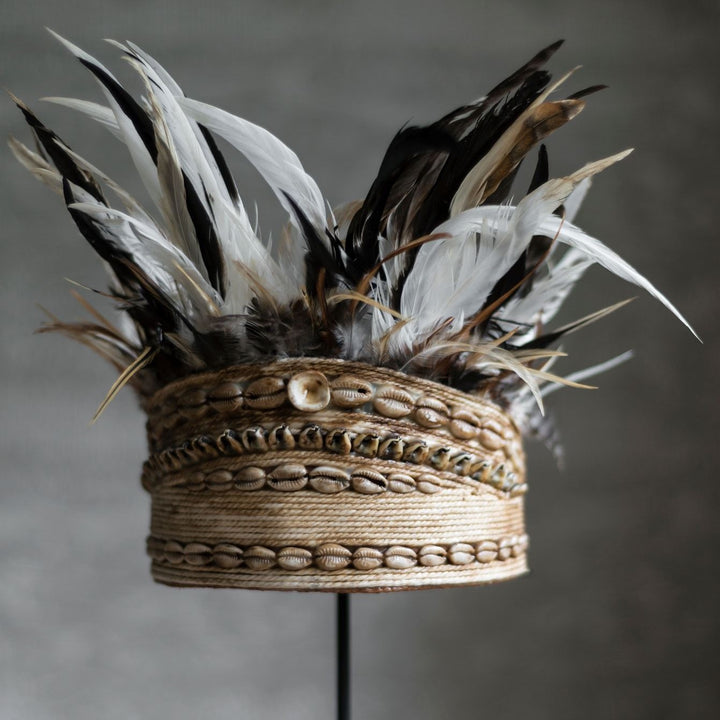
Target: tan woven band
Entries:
(350, 478)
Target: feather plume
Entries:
(436, 271)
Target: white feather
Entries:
(37, 165)
(548, 292)
(610, 260)
(100, 113)
(575, 198)
(452, 277)
(167, 266)
(140, 156)
(191, 148)
(291, 258)
(132, 206)
(185, 141)
(173, 194)
(580, 375)
(239, 241)
(279, 166)
(168, 87)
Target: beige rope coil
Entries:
(318, 474)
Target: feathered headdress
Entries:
(390, 348)
(438, 272)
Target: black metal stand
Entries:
(343, 656)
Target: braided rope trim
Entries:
(257, 440)
(311, 385)
(331, 557)
(382, 580)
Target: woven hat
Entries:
(343, 409)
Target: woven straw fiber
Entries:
(317, 474)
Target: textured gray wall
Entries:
(619, 617)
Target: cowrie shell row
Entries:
(342, 441)
(312, 391)
(291, 477)
(334, 556)
(259, 440)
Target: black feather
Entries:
(587, 91)
(55, 149)
(204, 230)
(137, 116)
(550, 338)
(221, 163)
(488, 128)
(94, 233)
(502, 192)
(523, 73)
(282, 331)
(365, 227)
(531, 256)
(207, 238)
(143, 301)
(319, 257)
(463, 118)
(541, 173)
(539, 245)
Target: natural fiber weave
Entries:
(316, 474)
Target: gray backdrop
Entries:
(619, 617)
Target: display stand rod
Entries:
(343, 656)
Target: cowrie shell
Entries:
(259, 558)
(398, 557)
(327, 479)
(393, 402)
(400, 483)
(198, 554)
(347, 391)
(288, 478)
(368, 482)
(330, 556)
(227, 557)
(281, 438)
(431, 413)
(464, 424)
(486, 551)
(432, 555)
(491, 435)
(294, 558)
(219, 480)
(250, 478)
(226, 397)
(265, 393)
(366, 558)
(309, 391)
(461, 554)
